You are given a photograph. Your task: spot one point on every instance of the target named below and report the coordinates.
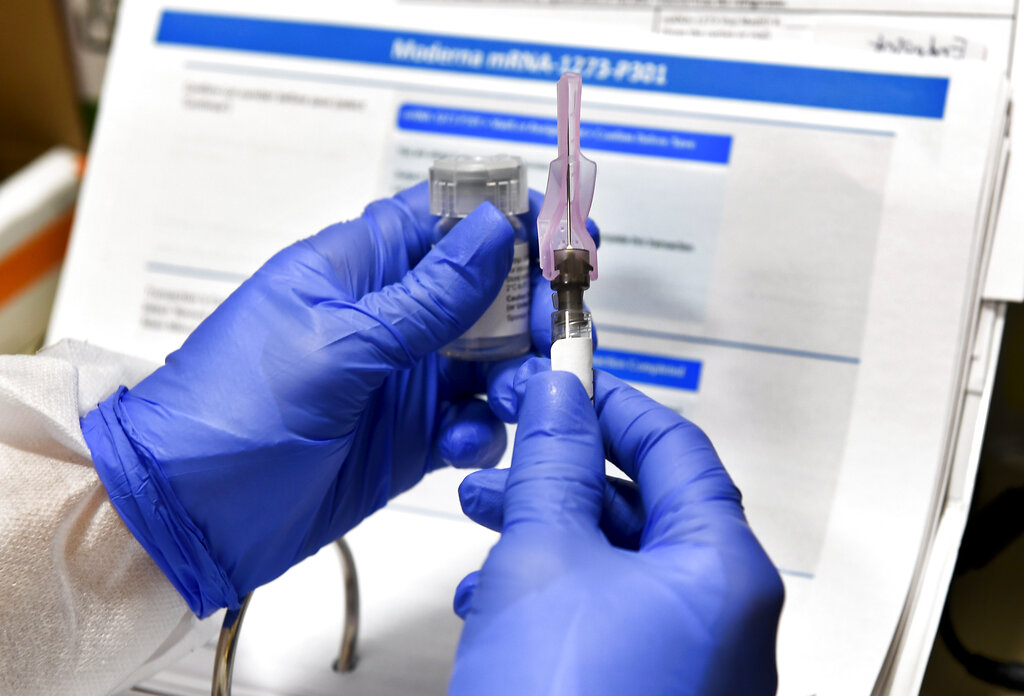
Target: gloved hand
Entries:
(309, 398)
(689, 606)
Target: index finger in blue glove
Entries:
(671, 459)
(444, 294)
(507, 383)
(379, 247)
(463, 601)
(482, 496)
(471, 435)
(557, 472)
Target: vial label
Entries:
(509, 315)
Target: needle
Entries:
(568, 207)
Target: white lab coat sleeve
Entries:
(83, 608)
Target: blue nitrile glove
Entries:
(559, 609)
(310, 397)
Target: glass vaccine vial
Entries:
(457, 186)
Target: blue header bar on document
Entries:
(846, 90)
(659, 370)
(634, 140)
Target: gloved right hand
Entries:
(557, 608)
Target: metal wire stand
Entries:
(227, 644)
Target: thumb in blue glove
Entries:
(310, 397)
(559, 608)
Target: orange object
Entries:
(35, 258)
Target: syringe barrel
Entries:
(572, 346)
(570, 324)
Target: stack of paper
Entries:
(794, 248)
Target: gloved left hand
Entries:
(310, 397)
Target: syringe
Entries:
(568, 255)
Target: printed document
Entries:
(793, 248)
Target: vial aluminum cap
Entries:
(459, 184)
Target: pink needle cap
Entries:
(562, 221)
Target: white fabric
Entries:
(83, 609)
